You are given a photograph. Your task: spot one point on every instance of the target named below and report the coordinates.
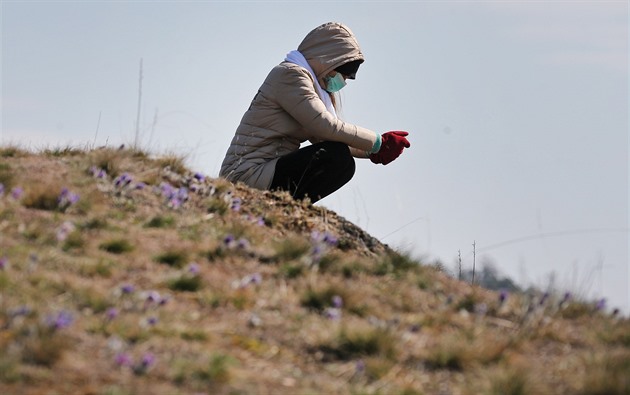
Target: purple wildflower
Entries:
(4, 263)
(332, 313)
(111, 313)
(20, 311)
(152, 320)
(123, 180)
(255, 278)
(147, 361)
(167, 190)
(123, 359)
(164, 300)
(153, 297)
(98, 172)
(193, 268)
(414, 328)
(17, 192)
(1, 189)
(182, 194)
(199, 177)
(337, 301)
(317, 250)
(63, 319)
(141, 185)
(127, 289)
(64, 230)
(544, 298)
(66, 198)
(329, 239)
(503, 295)
(235, 205)
(566, 298)
(175, 203)
(228, 240)
(243, 244)
(360, 366)
(601, 304)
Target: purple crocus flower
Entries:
(199, 177)
(123, 180)
(127, 289)
(140, 185)
(123, 359)
(152, 320)
(337, 301)
(175, 203)
(4, 263)
(20, 311)
(63, 319)
(67, 198)
(544, 298)
(228, 240)
(255, 278)
(332, 313)
(503, 295)
(360, 366)
(17, 192)
(148, 360)
(167, 190)
(235, 204)
(182, 194)
(164, 300)
(111, 313)
(97, 172)
(601, 304)
(243, 244)
(153, 297)
(566, 298)
(414, 328)
(329, 239)
(193, 268)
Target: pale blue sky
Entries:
(518, 112)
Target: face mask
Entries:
(334, 84)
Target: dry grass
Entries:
(160, 281)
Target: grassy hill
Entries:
(126, 274)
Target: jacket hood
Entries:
(329, 46)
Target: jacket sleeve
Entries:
(295, 92)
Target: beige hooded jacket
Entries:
(287, 111)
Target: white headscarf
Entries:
(299, 59)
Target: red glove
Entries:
(392, 145)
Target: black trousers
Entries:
(314, 171)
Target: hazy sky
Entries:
(517, 110)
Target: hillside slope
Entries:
(124, 274)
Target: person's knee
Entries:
(340, 155)
(337, 152)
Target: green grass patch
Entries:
(174, 258)
(186, 283)
(350, 344)
(117, 246)
(160, 221)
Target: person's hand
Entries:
(392, 145)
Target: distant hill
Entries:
(122, 273)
